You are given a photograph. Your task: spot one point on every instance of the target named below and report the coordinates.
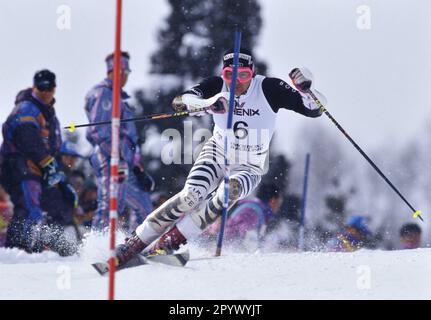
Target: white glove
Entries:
(302, 79)
(190, 102)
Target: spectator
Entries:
(354, 236)
(133, 189)
(249, 219)
(30, 173)
(77, 180)
(410, 236)
(6, 212)
(88, 203)
(68, 157)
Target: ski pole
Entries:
(416, 213)
(157, 116)
(303, 204)
(228, 128)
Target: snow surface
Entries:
(234, 275)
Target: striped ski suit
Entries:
(248, 146)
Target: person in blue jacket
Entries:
(31, 141)
(135, 183)
(354, 236)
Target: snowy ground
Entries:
(359, 275)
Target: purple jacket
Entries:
(31, 133)
(247, 216)
(98, 106)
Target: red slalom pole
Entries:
(115, 135)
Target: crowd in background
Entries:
(254, 223)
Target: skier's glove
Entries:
(178, 104)
(69, 193)
(50, 174)
(302, 79)
(189, 102)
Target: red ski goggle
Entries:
(244, 74)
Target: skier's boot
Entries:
(168, 242)
(128, 250)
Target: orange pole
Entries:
(115, 136)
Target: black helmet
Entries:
(44, 80)
(245, 58)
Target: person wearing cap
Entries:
(258, 100)
(131, 193)
(354, 236)
(68, 156)
(31, 142)
(410, 236)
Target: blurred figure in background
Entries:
(78, 180)
(69, 155)
(135, 184)
(30, 171)
(6, 212)
(410, 236)
(248, 221)
(88, 204)
(158, 198)
(67, 206)
(355, 235)
(63, 202)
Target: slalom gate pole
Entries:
(228, 129)
(150, 117)
(303, 203)
(115, 136)
(416, 213)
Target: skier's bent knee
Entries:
(191, 196)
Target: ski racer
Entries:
(258, 99)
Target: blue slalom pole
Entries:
(303, 203)
(228, 128)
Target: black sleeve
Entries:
(208, 88)
(280, 95)
(28, 141)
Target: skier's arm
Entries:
(201, 96)
(280, 95)
(208, 88)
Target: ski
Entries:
(177, 260)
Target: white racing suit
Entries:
(201, 200)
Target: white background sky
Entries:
(376, 81)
